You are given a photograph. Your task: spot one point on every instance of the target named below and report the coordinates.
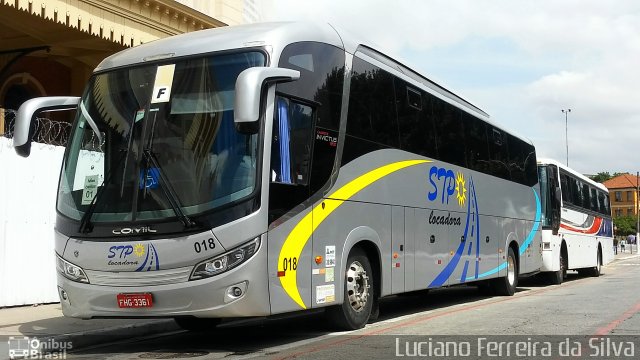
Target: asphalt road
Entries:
(582, 313)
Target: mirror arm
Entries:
(27, 114)
(249, 89)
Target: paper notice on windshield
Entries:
(90, 189)
(162, 84)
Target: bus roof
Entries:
(276, 35)
(547, 161)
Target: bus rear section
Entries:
(577, 229)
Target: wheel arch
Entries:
(367, 239)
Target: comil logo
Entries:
(134, 231)
(33, 348)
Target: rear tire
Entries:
(506, 286)
(359, 294)
(596, 270)
(197, 324)
(557, 277)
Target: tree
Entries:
(601, 177)
(625, 225)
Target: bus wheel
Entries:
(596, 270)
(557, 277)
(356, 307)
(506, 286)
(191, 323)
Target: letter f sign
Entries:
(160, 92)
(162, 85)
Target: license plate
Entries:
(135, 300)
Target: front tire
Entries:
(506, 286)
(355, 310)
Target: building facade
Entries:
(623, 194)
(50, 47)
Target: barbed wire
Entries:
(47, 131)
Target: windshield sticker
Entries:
(162, 84)
(139, 115)
(90, 189)
(149, 178)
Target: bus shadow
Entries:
(255, 336)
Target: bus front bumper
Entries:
(240, 292)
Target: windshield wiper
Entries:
(166, 186)
(168, 190)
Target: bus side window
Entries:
(477, 154)
(291, 144)
(594, 200)
(416, 126)
(498, 154)
(566, 190)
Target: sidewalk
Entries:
(630, 251)
(47, 322)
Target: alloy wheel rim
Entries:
(358, 286)
(511, 271)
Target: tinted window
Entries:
(566, 189)
(306, 122)
(477, 147)
(372, 110)
(449, 132)
(291, 146)
(594, 200)
(607, 209)
(321, 69)
(417, 132)
(498, 153)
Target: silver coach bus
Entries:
(271, 168)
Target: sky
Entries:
(521, 61)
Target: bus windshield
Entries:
(156, 141)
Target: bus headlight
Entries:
(226, 261)
(70, 271)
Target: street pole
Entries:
(566, 131)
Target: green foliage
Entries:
(601, 177)
(625, 225)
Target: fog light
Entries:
(235, 292)
(64, 297)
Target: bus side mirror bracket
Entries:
(24, 129)
(249, 89)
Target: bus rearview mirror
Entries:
(23, 127)
(249, 89)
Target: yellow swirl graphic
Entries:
(301, 233)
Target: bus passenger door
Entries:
(431, 250)
(290, 220)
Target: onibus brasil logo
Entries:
(33, 348)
